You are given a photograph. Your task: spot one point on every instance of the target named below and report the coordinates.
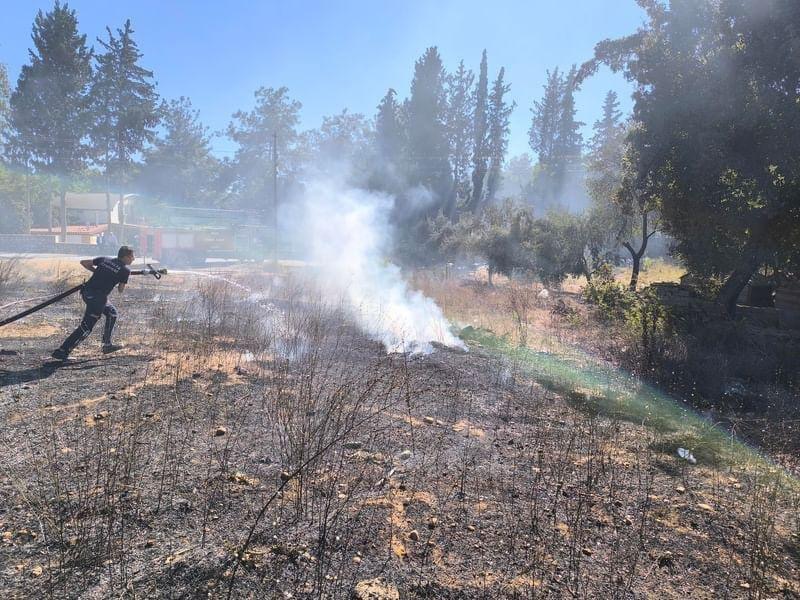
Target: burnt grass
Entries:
(274, 451)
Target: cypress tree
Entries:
(459, 132)
(499, 114)
(427, 148)
(123, 105)
(480, 125)
(49, 117)
(389, 142)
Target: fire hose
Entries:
(157, 273)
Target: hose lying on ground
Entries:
(157, 273)
(38, 307)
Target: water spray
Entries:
(214, 276)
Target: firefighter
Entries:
(107, 273)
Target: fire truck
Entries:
(181, 236)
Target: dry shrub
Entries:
(10, 276)
(213, 304)
(521, 300)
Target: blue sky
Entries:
(344, 53)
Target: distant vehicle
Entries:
(182, 236)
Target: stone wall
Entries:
(23, 243)
(687, 303)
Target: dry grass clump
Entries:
(10, 276)
(653, 270)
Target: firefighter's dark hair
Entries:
(124, 251)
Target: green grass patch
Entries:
(598, 390)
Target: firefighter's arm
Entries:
(87, 264)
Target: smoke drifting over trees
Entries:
(388, 359)
(710, 140)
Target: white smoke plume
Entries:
(348, 232)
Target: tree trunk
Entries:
(450, 204)
(729, 293)
(636, 255)
(491, 272)
(121, 218)
(478, 175)
(63, 214)
(587, 272)
(637, 261)
(108, 210)
(108, 195)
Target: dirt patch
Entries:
(31, 330)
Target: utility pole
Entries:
(275, 199)
(28, 197)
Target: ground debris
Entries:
(376, 589)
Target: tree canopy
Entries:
(716, 142)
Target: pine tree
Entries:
(480, 133)
(459, 132)
(569, 141)
(605, 222)
(179, 167)
(517, 179)
(389, 144)
(4, 109)
(274, 118)
(388, 128)
(544, 129)
(124, 107)
(341, 149)
(427, 149)
(606, 149)
(499, 114)
(49, 119)
(555, 136)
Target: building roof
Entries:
(71, 229)
(91, 200)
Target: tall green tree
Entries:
(179, 167)
(460, 111)
(497, 143)
(480, 129)
(25, 200)
(517, 180)
(718, 142)
(389, 134)
(271, 123)
(606, 149)
(4, 111)
(555, 136)
(569, 142)
(637, 208)
(389, 142)
(426, 114)
(50, 119)
(546, 120)
(341, 148)
(14, 211)
(124, 107)
(610, 218)
(617, 205)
